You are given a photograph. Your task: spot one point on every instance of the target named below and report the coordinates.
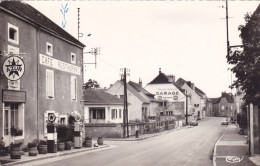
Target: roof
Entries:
(181, 82)
(92, 96)
(32, 15)
(160, 79)
(163, 79)
(229, 98)
(139, 88)
(143, 98)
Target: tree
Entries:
(91, 84)
(247, 62)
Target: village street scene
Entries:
(142, 83)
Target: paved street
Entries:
(188, 146)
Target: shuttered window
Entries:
(49, 83)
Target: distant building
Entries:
(103, 114)
(223, 106)
(165, 89)
(209, 112)
(52, 79)
(196, 99)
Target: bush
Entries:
(33, 144)
(70, 133)
(15, 131)
(42, 142)
(62, 131)
(15, 144)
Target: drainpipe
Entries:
(37, 79)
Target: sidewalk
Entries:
(25, 158)
(231, 149)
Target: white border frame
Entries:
(74, 62)
(47, 50)
(17, 33)
(47, 97)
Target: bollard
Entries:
(137, 134)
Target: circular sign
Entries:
(77, 118)
(13, 68)
(51, 117)
(175, 97)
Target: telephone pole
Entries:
(125, 113)
(186, 107)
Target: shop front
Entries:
(13, 115)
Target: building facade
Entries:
(165, 89)
(138, 107)
(52, 79)
(223, 106)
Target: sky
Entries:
(186, 39)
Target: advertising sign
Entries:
(13, 68)
(169, 94)
(60, 65)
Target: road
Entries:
(186, 147)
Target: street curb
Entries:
(214, 155)
(140, 139)
(56, 155)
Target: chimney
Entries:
(171, 78)
(140, 83)
(160, 71)
(192, 86)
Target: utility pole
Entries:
(125, 114)
(227, 27)
(186, 107)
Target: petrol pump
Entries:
(77, 132)
(51, 133)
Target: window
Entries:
(98, 113)
(120, 113)
(13, 34)
(73, 58)
(14, 115)
(222, 107)
(73, 82)
(6, 123)
(49, 49)
(49, 83)
(13, 119)
(63, 119)
(144, 113)
(114, 114)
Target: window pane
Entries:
(6, 122)
(12, 34)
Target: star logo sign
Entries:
(51, 117)
(13, 68)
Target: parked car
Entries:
(224, 122)
(194, 123)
